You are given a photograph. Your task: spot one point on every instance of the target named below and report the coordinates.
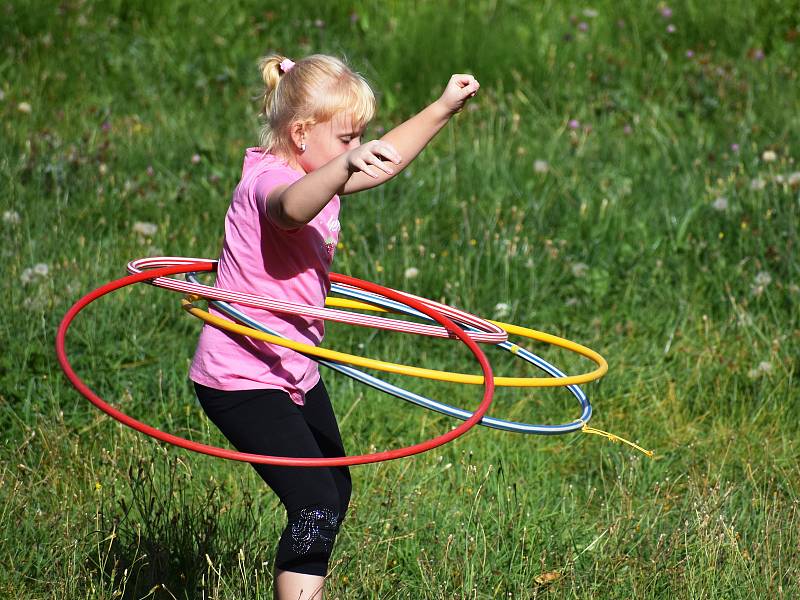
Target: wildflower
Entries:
(195, 159)
(411, 272)
(145, 229)
(671, 28)
(106, 126)
(735, 148)
(769, 156)
(319, 23)
(41, 269)
(24, 107)
(540, 166)
(763, 368)
(757, 184)
(27, 276)
(666, 12)
(758, 54)
(689, 53)
(103, 168)
(590, 13)
(580, 269)
(627, 130)
(353, 17)
(150, 171)
(574, 124)
(763, 278)
(583, 26)
(720, 204)
(794, 179)
(760, 283)
(11, 216)
(501, 310)
(571, 301)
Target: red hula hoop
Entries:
(76, 381)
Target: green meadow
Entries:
(626, 178)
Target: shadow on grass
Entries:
(156, 536)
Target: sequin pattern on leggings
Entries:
(314, 524)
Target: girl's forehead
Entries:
(345, 123)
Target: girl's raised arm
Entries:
(409, 138)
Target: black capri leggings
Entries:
(316, 498)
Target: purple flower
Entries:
(106, 126)
(574, 124)
(758, 54)
(627, 129)
(196, 159)
(689, 53)
(735, 148)
(671, 28)
(583, 26)
(666, 12)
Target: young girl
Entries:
(281, 232)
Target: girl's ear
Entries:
(298, 131)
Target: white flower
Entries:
(720, 204)
(411, 272)
(757, 184)
(763, 278)
(11, 216)
(501, 310)
(769, 156)
(763, 368)
(541, 166)
(24, 107)
(27, 276)
(145, 229)
(41, 269)
(793, 179)
(580, 269)
(590, 13)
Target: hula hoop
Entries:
(258, 458)
(389, 367)
(381, 303)
(483, 330)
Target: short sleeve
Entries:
(268, 180)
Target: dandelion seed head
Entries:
(145, 229)
(11, 217)
(720, 204)
(769, 156)
(541, 166)
(501, 310)
(580, 269)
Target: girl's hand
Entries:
(371, 156)
(459, 89)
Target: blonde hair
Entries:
(314, 90)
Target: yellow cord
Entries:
(616, 438)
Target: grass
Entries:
(659, 228)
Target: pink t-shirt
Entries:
(260, 258)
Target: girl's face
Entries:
(325, 141)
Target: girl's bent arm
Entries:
(410, 137)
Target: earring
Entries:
(302, 147)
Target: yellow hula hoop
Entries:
(371, 363)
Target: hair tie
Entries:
(286, 65)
